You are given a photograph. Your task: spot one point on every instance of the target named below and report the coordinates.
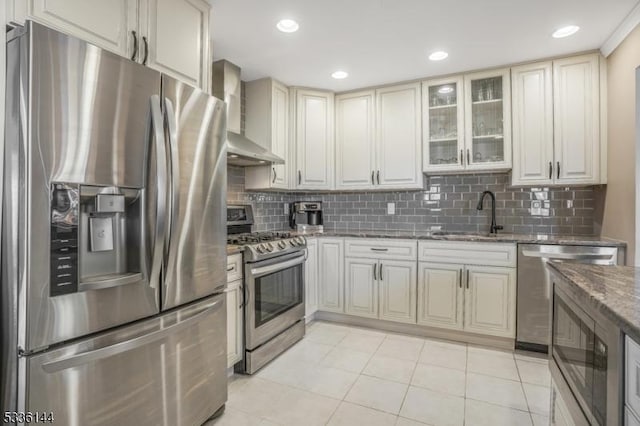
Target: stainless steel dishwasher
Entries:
(533, 329)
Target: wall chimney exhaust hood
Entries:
(241, 151)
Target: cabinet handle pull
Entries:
(550, 169)
(558, 171)
(146, 50)
(467, 279)
(373, 180)
(468, 157)
(299, 177)
(462, 157)
(378, 174)
(380, 272)
(135, 45)
(374, 271)
(274, 175)
(379, 249)
(460, 278)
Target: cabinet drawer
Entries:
(381, 248)
(468, 253)
(632, 375)
(234, 267)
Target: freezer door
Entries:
(80, 116)
(170, 370)
(196, 247)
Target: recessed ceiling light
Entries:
(445, 89)
(566, 31)
(438, 56)
(339, 75)
(287, 26)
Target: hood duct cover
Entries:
(241, 151)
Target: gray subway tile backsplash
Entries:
(447, 202)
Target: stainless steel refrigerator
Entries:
(113, 239)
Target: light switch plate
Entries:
(391, 208)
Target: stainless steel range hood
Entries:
(241, 151)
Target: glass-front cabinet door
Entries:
(443, 124)
(488, 120)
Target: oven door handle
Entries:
(270, 269)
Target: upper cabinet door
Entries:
(399, 137)
(177, 36)
(577, 119)
(532, 94)
(355, 147)
(314, 140)
(107, 24)
(443, 125)
(488, 120)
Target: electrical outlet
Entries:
(391, 208)
(286, 208)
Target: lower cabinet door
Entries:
(397, 290)
(331, 274)
(311, 278)
(440, 295)
(490, 300)
(361, 287)
(234, 322)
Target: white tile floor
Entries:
(339, 375)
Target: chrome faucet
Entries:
(494, 228)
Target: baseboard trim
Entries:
(416, 330)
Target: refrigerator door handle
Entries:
(118, 348)
(170, 117)
(161, 196)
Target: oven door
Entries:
(573, 348)
(275, 297)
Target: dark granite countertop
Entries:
(473, 237)
(613, 291)
(233, 249)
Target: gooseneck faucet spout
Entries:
(494, 228)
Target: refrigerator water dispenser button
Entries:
(101, 232)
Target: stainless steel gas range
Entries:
(273, 290)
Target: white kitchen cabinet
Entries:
(171, 36)
(487, 120)
(177, 33)
(311, 278)
(313, 142)
(361, 287)
(267, 123)
(399, 137)
(576, 83)
(532, 103)
(397, 290)
(355, 143)
(235, 314)
(556, 122)
(331, 274)
(107, 24)
(632, 375)
(490, 300)
(440, 295)
(443, 125)
(234, 322)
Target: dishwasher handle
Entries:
(569, 256)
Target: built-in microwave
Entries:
(586, 348)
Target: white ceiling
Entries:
(386, 41)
